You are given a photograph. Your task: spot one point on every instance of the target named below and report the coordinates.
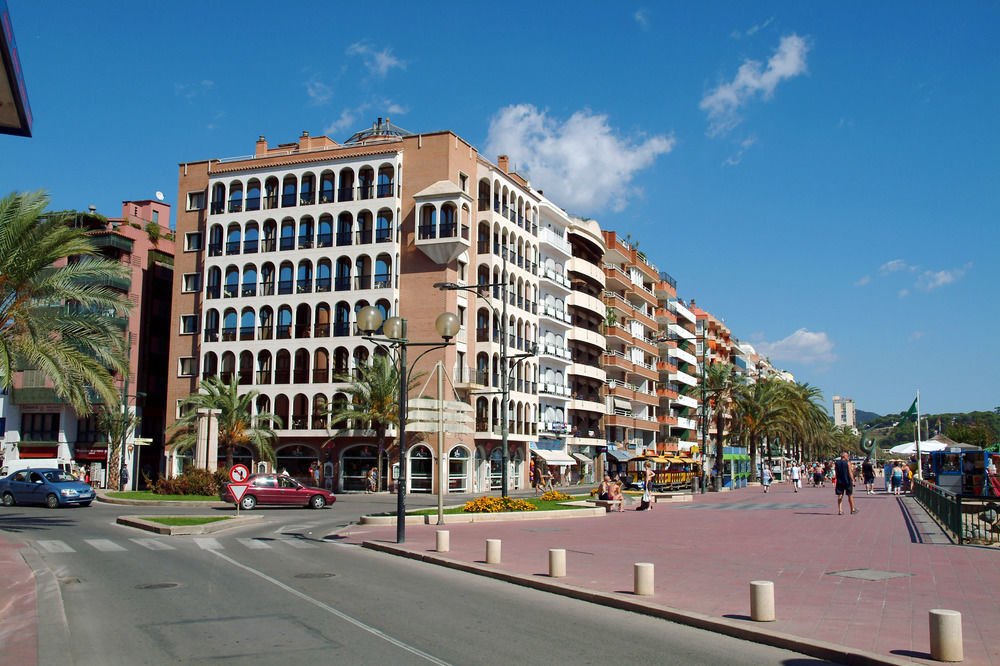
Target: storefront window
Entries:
(458, 470)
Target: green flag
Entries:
(911, 411)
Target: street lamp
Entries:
(504, 359)
(394, 330)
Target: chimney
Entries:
(304, 142)
(504, 163)
(261, 145)
(692, 302)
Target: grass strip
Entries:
(153, 497)
(179, 521)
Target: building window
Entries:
(193, 241)
(40, 427)
(461, 316)
(156, 216)
(88, 432)
(192, 282)
(461, 271)
(463, 181)
(189, 324)
(33, 379)
(185, 366)
(196, 200)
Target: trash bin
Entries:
(695, 482)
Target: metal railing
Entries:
(970, 519)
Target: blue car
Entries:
(48, 486)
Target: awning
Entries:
(553, 457)
(621, 455)
(622, 403)
(582, 458)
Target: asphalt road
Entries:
(286, 589)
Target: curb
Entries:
(454, 518)
(131, 502)
(733, 628)
(177, 530)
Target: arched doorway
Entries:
(517, 471)
(295, 460)
(496, 469)
(354, 466)
(421, 472)
(458, 470)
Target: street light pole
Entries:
(369, 321)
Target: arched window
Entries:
(383, 226)
(264, 367)
(253, 194)
(267, 280)
(307, 192)
(210, 367)
(344, 224)
(211, 326)
(360, 360)
(326, 185)
(284, 322)
(343, 279)
(346, 190)
(304, 280)
(385, 185)
(324, 237)
(285, 278)
(232, 289)
(250, 239)
(306, 233)
(363, 267)
(342, 320)
(288, 187)
(247, 324)
(246, 368)
(229, 326)
(282, 367)
(301, 373)
(366, 182)
(271, 193)
(341, 362)
(321, 366)
(249, 280)
(233, 239)
(303, 318)
(448, 228)
(318, 412)
(364, 235)
(322, 322)
(218, 199)
(324, 278)
(281, 409)
(215, 241)
(287, 235)
(383, 272)
(270, 236)
(428, 222)
(235, 197)
(228, 367)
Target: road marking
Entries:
(298, 543)
(294, 529)
(152, 544)
(208, 543)
(56, 546)
(333, 611)
(254, 544)
(105, 545)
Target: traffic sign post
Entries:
(239, 474)
(238, 490)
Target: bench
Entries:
(609, 505)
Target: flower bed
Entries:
(497, 505)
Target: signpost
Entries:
(238, 475)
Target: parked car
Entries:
(47, 485)
(280, 490)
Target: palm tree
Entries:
(118, 425)
(720, 383)
(805, 417)
(238, 425)
(758, 409)
(56, 314)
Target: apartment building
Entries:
(39, 424)
(281, 249)
(632, 353)
(843, 413)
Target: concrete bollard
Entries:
(493, 551)
(443, 541)
(557, 562)
(643, 578)
(946, 635)
(762, 601)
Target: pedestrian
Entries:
(844, 482)
(549, 478)
(537, 480)
(817, 475)
(793, 472)
(647, 487)
(372, 479)
(123, 477)
(604, 488)
(616, 494)
(765, 477)
(868, 472)
(896, 478)
(907, 478)
(315, 472)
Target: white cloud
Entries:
(752, 30)
(319, 92)
(863, 281)
(723, 103)
(641, 17)
(933, 279)
(347, 119)
(903, 293)
(802, 346)
(745, 145)
(894, 266)
(581, 163)
(191, 90)
(377, 62)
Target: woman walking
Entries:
(766, 477)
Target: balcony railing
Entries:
(385, 190)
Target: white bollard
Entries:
(493, 551)
(946, 635)
(443, 542)
(762, 601)
(557, 562)
(643, 578)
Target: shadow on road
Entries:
(25, 523)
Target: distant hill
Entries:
(861, 416)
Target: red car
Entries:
(279, 490)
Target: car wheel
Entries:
(8, 499)
(51, 501)
(317, 502)
(248, 502)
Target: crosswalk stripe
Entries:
(298, 543)
(105, 545)
(208, 543)
(152, 544)
(255, 544)
(53, 546)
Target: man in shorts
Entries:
(844, 477)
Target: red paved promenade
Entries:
(707, 551)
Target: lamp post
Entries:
(505, 378)
(394, 329)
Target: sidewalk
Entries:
(18, 602)
(864, 582)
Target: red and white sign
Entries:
(238, 490)
(239, 474)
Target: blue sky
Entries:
(823, 176)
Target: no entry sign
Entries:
(239, 474)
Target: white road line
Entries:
(298, 543)
(255, 544)
(152, 544)
(294, 529)
(208, 543)
(333, 611)
(55, 546)
(105, 545)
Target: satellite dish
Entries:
(159, 195)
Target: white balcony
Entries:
(681, 311)
(686, 423)
(686, 400)
(681, 332)
(683, 378)
(687, 357)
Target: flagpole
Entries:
(920, 468)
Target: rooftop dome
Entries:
(378, 131)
